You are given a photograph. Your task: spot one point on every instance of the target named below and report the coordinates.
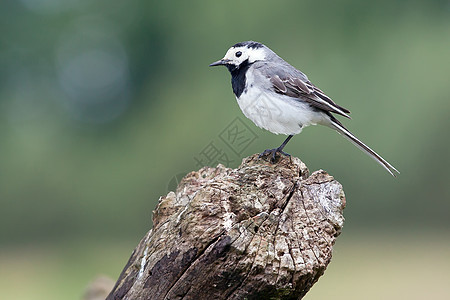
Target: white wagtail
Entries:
(279, 98)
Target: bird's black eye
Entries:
(238, 54)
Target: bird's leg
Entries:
(280, 149)
(273, 152)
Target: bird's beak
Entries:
(219, 62)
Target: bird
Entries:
(281, 99)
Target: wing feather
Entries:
(278, 84)
(306, 91)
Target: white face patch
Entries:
(238, 55)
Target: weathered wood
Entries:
(261, 231)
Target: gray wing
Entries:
(289, 81)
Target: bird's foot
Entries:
(272, 153)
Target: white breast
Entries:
(276, 113)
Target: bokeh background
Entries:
(104, 106)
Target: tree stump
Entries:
(260, 231)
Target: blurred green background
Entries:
(104, 105)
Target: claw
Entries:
(273, 153)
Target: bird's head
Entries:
(242, 54)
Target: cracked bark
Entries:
(261, 231)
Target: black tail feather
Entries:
(336, 125)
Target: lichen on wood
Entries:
(260, 231)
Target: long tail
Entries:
(336, 125)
